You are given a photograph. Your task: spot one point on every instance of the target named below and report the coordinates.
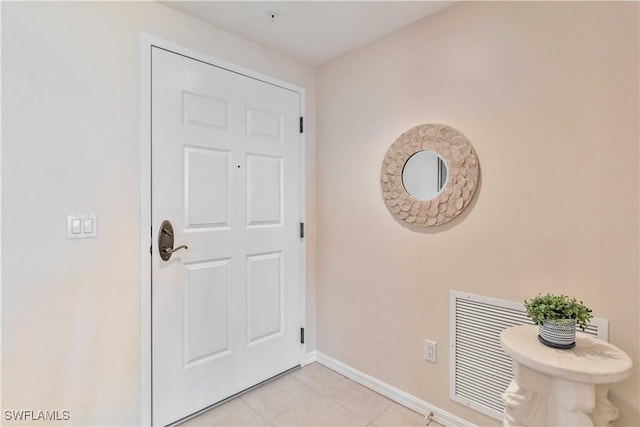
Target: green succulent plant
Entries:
(557, 308)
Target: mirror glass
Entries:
(424, 175)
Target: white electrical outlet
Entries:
(430, 351)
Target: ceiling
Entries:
(314, 32)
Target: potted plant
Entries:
(557, 317)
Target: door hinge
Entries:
(302, 230)
(301, 124)
(301, 335)
(150, 250)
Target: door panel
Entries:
(264, 190)
(206, 311)
(206, 189)
(200, 110)
(265, 125)
(226, 173)
(264, 297)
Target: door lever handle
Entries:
(173, 250)
(165, 241)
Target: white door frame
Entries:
(146, 240)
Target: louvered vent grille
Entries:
(480, 370)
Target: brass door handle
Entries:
(165, 241)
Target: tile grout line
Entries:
(323, 394)
(294, 402)
(367, 422)
(252, 408)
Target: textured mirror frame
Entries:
(463, 169)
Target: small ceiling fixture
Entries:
(272, 15)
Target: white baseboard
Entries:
(405, 399)
(310, 357)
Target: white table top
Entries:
(591, 361)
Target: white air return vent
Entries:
(480, 371)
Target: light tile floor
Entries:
(311, 396)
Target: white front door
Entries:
(226, 311)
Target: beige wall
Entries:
(70, 144)
(548, 95)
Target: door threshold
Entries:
(233, 396)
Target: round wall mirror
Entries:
(429, 175)
(424, 175)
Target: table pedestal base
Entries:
(536, 399)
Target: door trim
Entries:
(146, 43)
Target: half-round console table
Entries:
(553, 387)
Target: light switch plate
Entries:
(85, 232)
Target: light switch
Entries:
(81, 226)
(88, 225)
